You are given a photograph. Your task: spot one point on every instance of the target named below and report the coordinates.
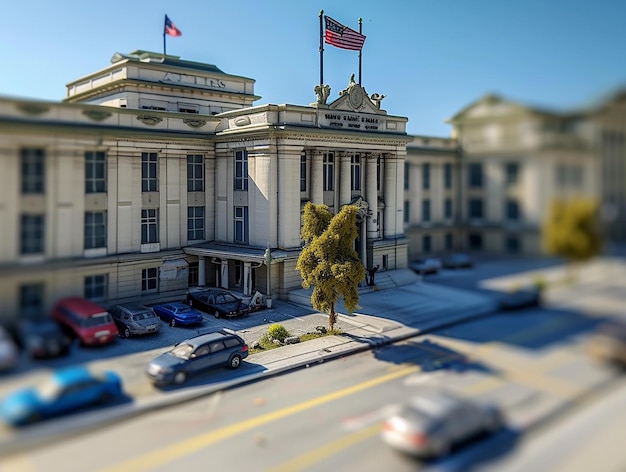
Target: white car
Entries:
(8, 350)
(431, 423)
(430, 265)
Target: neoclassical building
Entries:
(157, 173)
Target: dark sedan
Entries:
(43, 338)
(218, 303)
(178, 314)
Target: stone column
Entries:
(224, 274)
(201, 271)
(399, 187)
(391, 204)
(247, 278)
(288, 207)
(371, 195)
(317, 178)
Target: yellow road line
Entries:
(310, 458)
(170, 453)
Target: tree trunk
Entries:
(332, 317)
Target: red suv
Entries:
(91, 323)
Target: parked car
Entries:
(217, 302)
(178, 314)
(197, 354)
(608, 343)
(8, 350)
(518, 299)
(430, 265)
(65, 390)
(458, 261)
(43, 338)
(134, 319)
(431, 423)
(91, 323)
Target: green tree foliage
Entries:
(328, 261)
(571, 229)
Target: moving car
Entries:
(458, 261)
(134, 319)
(197, 354)
(65, 390)
(518, 299)
(608, 343)
(432, 422)
(217, 302)
(430, 265)
(178, 314)
(43, 338)
(91, 323)
(8, 350)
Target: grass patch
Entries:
(267, 344)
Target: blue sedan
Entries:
(178, 314)
(66, 390)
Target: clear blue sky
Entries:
(430, 58)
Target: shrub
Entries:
(278, 331)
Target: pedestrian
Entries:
(372, 272)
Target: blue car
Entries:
(178, 314)
(66, 390)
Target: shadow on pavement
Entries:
(429, 356)
(204, 379)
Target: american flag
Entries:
(341, 36)
(170, 28)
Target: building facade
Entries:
(156, 174)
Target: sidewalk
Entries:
(405, 309)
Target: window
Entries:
(475, 175)
(195, 173)
(475, 208)
(194, 268)
(407, 173)
(241, 225)
(426, 176)
(407, 209)
(33, 171)
(355, 172)
(512, 244)
(303, 171)
(32, 234)
(195, 223)
(150, 279)
(426, 243)
(95, 172)
(512, 210)
(329, 171)
(149, 172)
(447, 176)
(241, 170)
(217, 346)
(449, 241)
(426, 210)
(149, 226)
(31, 300)
(511, 173)
(569, 175)
(96, 287)
(95, 229)
(447, 208)
(475, 241)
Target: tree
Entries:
(571, 229)
(328, 261)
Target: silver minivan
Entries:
(135, 319)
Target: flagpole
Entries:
(360, 50)
(164, 21)
(321, 50)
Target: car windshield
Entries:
(182, 351)
(49, 390)
(96, 320)
(143, 316)
(184, 309)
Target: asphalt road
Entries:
(531, 363)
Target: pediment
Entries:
(490, 106)
(356, 99)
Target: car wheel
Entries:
(173, 322)
(216, 314)
(33, 417)
(106, 397)
(180, 377)
(126, 332)
(234, 362)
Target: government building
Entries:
(156, 174)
